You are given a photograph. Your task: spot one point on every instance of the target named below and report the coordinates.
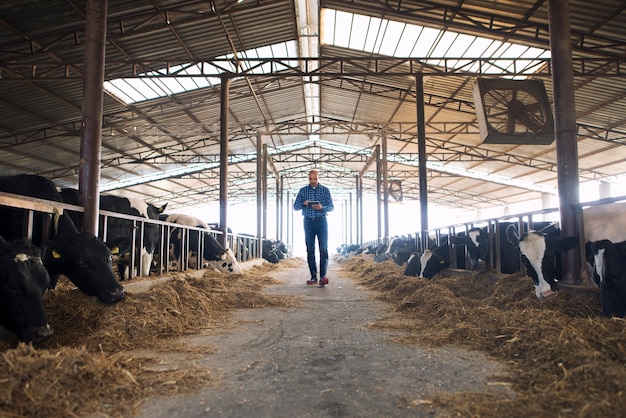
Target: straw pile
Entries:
(564, 358)
(88, 365)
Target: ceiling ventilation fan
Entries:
(513, 112)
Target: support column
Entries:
(421, 155)
(378, 191)
(385, 180)
(264, 191)
(225, 99)
(565, 131)
(259, 191)
(91, 132)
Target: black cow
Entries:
(85, 260)
(429, 263)
(118, 229)
(81, 257)
(213, 252)
(23, 281)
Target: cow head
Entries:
(400, 249)
(85, 260)
(610, 262)
(227, 263)
(540, 253)
(429, 263)
(23, 281)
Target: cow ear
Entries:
(512, 236)
(120, 245)
(64, 228)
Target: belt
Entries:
(316, 218)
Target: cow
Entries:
(84, 259)
(269, 252)
(23, 282)
(118, 228)
(400, 249)
(222, 259)
(611, 268)
(603, 225)
(429, 263)
(81, 257)
(476, 241)
(539, 253)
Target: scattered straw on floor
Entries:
(88, 366)
(564, 358)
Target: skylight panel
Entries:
(358, 35)
(478, 48)
(408, 41)
(425, 42)
(372, 34)
(343, 24)
(389, 42)
(398, 39)
(148, 85)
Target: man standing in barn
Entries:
(315, 201)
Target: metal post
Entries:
(259, 191)
(421, 151)
(224, 96)
(91, 133)
(385, 180)
(566, 137)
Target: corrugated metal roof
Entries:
(41, 62)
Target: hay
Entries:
(565, 359)
(89, 365)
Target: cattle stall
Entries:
(244, 247)
(501, 255)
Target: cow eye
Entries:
(224, 264)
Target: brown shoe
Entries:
(324, 281)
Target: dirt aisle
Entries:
(321, 359)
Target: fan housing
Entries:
(513, 112)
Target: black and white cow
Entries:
(476, 241)
(269, 252)
(603, 226)
(540, 254)
(81, 257)
(222, 259)
(429, 263)
(611, 268)
(122, 229)
(400, 249)
(23, 281)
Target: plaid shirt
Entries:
(320, 194)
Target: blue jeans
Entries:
(316, 227)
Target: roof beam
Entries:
(321, 67)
